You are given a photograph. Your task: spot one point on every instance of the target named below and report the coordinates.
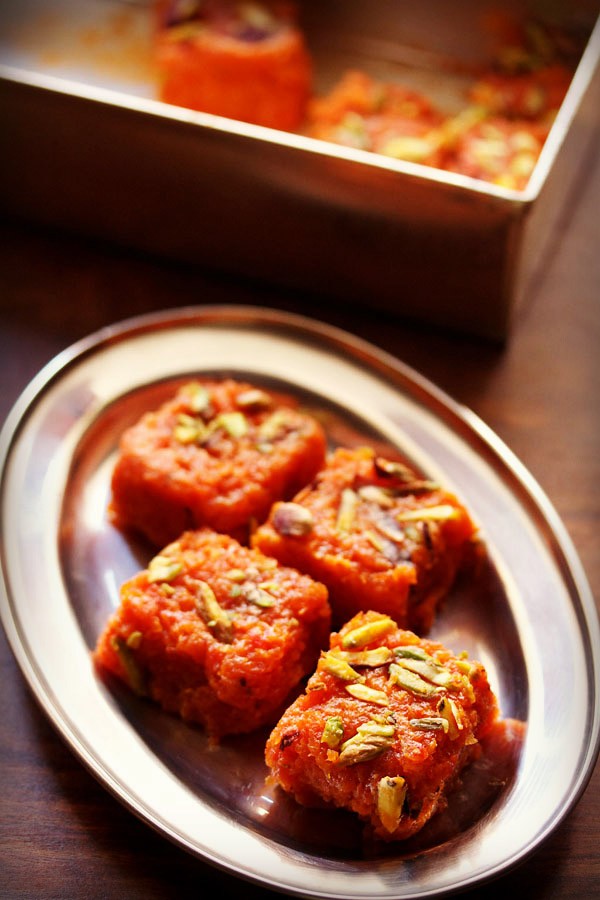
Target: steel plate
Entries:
(528, 615)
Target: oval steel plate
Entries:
(530, 617)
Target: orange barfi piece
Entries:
(376, 533)
(216, 633)
(216, 455)
(245, 61)
(385, 725)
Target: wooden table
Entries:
(61, 834)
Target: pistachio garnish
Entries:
(411, 651)
(379, 656)
(373, 494)
(367, 633)
(410, 681)
(292, 520)
(449, 710)
(368, 694)
(199, 398)
(134, 640)
(338, 667)
(429, 670)
(430, 723)
(391, 794)
(375, 541)
(234, 423)
(346, 511)
(370, 740)
(333, 732)
(237, 575)
(257, 595)
(387, 468)
(254, 399)
(164, 568)
(212, 613)
(189, 430)
(442, 513)
(275, 426)
(134, 672)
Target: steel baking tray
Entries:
(87, 147)
(527, 614)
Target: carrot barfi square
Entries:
(216, 455)
(386, 724)
(377, 534)
(216, 633)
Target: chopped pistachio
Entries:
(274, 426)
(411, 651)
(271, 586)
(237, 575)
(430, 723)
(134, 672)
(212, 613)
(379, 656)
(164, 568)
(236, 590)
(346, 511)
(375, 541)
(134, 640)
(429, 670)
(391, 794)
(410, 681)
(334, 666)
(449, 710)
(333, 732)
(254, 399)
(258, 596)
(441, 513)
(199, 398)
(373, 494)
(166, 589)
(189, 430)
(370, 631)
(369, 695)
(292, 520)
(387, 468)
(234, 423)
(370, 740)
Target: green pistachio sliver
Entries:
(135, 674)
(391, 794)
(382, 497)
(411, 651)
(338, 667)
(234, 423)
(411, 682)
(236, 591)
(274, 426)
(258, 596)
(442, 513)
(371, 739)
(333, 732)
(368, 694)
(134, 640)
(449, 710)
(188, 430)
(199, 398)
(375, 541)
(430, 723)
(237, 575)
(379, 656)
(346, 511)
(367, 633)
(164, 568)
(254, 399)
(429, 670)
(212, 613)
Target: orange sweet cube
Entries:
(216, 455)
(386, 724)
(216, 633)
(377, 534)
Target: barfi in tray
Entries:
(385, 726)
(217, 455)
(216, 633)
(378, 534)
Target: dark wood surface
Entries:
(61, 834)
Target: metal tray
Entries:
(88, 148)
(528, 615)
